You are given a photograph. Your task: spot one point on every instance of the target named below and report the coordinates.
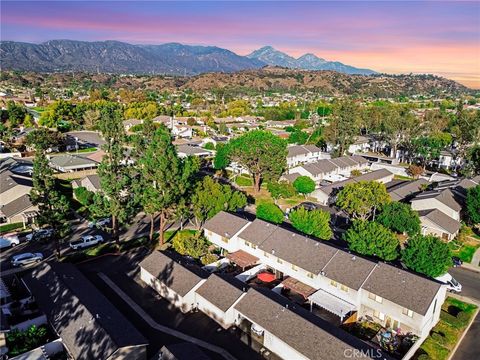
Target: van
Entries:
(452, 284)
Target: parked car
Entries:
(9, 241)
(86, 241)
(40, 234)
(26, 258)
(99, 223)
(457, 261)
(452, 284)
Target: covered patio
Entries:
(298, 287)
(242, 259)
(331, 303)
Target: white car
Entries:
(452, 284)
(86, 241)
(9, 241)
(26, 258)
(39, 234)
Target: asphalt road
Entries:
(469, 348)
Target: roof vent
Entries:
(273, 251)
(354, 258)
(227, 234)
(286, 306)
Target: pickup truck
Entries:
(86, 241)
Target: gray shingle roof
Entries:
(89, 138)
(348, 269)
(16, 206)
(182, 351)
(257, 231)
(225, 224)
(296, 150)
(174, 275)
(89, 325)
(221, 291)
(311, 336)
(9, 180)
(446, 197)
(406, 189)
(69, 160)
(192, 150)
(442, 220)
(374, 175)
(402, 287)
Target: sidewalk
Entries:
(474, 265)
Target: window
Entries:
(379, 315)
(253, 246)
(279, 261)
(344, 288)
(333, 283)
(247, 243)
(265, 254)
(310, 275)
(294, 267)
(224, 239)
(377, 298)
(407, 312)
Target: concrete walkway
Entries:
(160, 327)
(476, 258)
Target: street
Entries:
(470, 280)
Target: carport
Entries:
(331, 303)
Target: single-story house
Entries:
(83, 139)
(88, 324)
(217, 296)
(189, 150)
(70, 163)
(171, 279)
(437, 223)
(89, 182)
(15, 204)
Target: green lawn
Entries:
(10, 227)
(169, 233)
(401, 177)
(454, 319)
(90, 149)
(243, 181)
(464, 251)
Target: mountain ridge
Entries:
(308, 61)
(112, 56)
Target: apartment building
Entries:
(340, 282)
(303, 154)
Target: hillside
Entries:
(260, 80)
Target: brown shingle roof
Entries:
(257, 231)
(406, 189)
(445, 197)
(221, 291)
(16, 206)
(402, 287)
(348, 269)
(311, 336)
(169, 272)
(225, 224)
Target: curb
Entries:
(457, 345)
(470, 267)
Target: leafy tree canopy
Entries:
(361, 199)
(262, 153)
(428, 255)
(315, 222)
(281, 189)
(270, 212)
(473, 204)
(304, 185)
(211, 197)
(221, 160)
(371, 238)
(400, 217)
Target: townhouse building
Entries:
(338, 281)
(303, 154)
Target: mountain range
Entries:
(271, 56)
(170, 58)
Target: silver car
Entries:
(26, 258)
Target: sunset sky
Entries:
(387, 36)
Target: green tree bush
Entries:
(362, 199)
(304, 185)
(281, 189)
(270, 212)
(473, 204)
(427, 255)
(314, 222)
(371, 238)
(400, 217)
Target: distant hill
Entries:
(329, 83)
(271, 56)
(118, 57)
